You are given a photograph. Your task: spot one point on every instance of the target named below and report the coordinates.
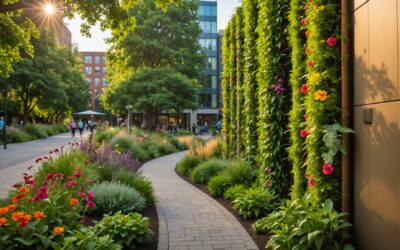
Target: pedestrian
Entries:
(72, 125)
(219, 126)
(2, 123)
(175, 129)
(92, 125)
(205, 127)
(194, 128)
(81, 127)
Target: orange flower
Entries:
(11, 207)
(23, 190)
(73, 201)
(3, 221)
(39, 215)
(321, 95)
(21, 218)
(3, 210)
(58, 230)
(17, 198)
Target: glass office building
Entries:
(209, 94)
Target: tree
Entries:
(154, 90)
(168, 43)
(17, 30)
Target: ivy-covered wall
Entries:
(232, 86)
(250, 12)
(225, 85)
(298, 80)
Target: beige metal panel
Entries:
(377, 177)
(383, 50)
(361, 56)
(361, 179)
(358, 3)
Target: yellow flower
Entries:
(315, 77)
(321, 95)
(58, 230)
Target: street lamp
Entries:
(4, 90)
(129, 107)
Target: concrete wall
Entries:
(377, 149)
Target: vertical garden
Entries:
(281, 104)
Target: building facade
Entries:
(94, 68)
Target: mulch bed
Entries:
(259, 239)
(151, 213)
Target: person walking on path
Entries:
(2, 126)
(81, 127)
(72, 125)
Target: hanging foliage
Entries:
(273, 95)
(240, 114)
(297, 150)
(322, 95)
(232, 87)
(250, 11)
(225, 86)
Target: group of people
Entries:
(204, 129)
(80, 125)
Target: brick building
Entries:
(94, 68)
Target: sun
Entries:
(49, 9)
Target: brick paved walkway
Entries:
(188, 218)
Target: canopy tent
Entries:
(89, 112)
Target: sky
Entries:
(96, 41)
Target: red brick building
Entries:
(94, 68)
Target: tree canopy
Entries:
(16, 30)
(164, 44)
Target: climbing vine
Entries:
(273, 95)
(240, 115)
(225, 86)
(233, 89)
(250, 11)
(321, 95)
(297, 151)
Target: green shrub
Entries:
(138, 182)
(152, 149)
(298, 225)
(111, 197)
(166, 149)
(49, 130)
(129, 230)
(16, 136)
(204, 171)
(35, 131)
(183, 132)
(105, 135)
(140, 153)
(254, 203)
(234, 191)
(218, 184)
(86, 238)
(240, 172)
(122, 143)
(187, 164)
(179, 146)
(104, 173)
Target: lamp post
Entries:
(4, 90)
(129, 107)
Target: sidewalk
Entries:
(19, 156)
(188, 218)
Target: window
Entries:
(88, 59)
(207, 11)
(104, 82)
(208, 100)
(97, 81)
(214, 82)
(208, 44)
(97, 70)
(97, 59)
(210, 81)
(104, 60)
(88, 70)
(212, 63)
(104, 70)
(208, 27)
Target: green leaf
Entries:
(328, 206)
(311, 236)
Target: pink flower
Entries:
(70, 178)
(78, 174)
(66, 185)
(331, 41)
(312, 182)
(327, 169)
(42, 194)
(266, 184)
(57, 150)
(88, 181)
(50, 176)
(16, 185)
(72, 183)
(305, 117)
(38, 159)
(81, 194)
(90, 195)
(304, 88)
(89, 203)
(59, 175)
(304, 133)
(303, 21)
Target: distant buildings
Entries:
(94, 68)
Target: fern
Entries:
(332, 140)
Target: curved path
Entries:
(188, 218)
